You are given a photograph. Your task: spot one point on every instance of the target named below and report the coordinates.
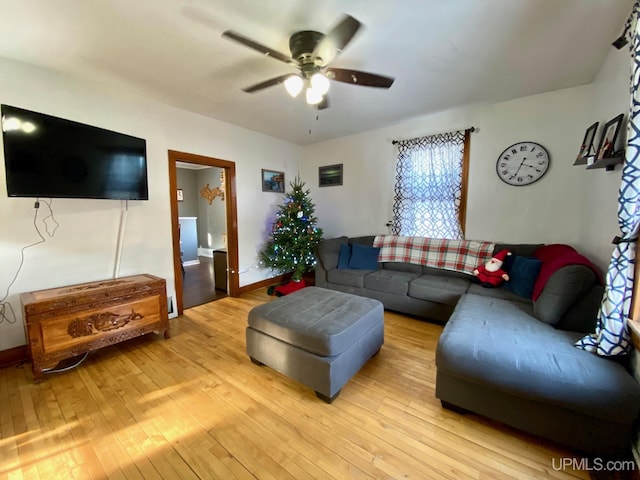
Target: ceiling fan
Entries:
(311, 53)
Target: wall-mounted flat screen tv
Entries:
(47, 156)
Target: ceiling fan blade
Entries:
(324, 103)
(356, 77)
(267, 83)
(336, 40)
(247, 42)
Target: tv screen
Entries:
(46, 156)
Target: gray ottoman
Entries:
(318, 337)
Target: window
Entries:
(430, 186)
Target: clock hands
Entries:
(525, 165)
(532, 166)
(518, 170)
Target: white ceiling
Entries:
(442, 53)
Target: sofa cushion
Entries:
(350, 277)
(390, 281)
(365, 240)
(402, 267)
(449, 273)
(563, 289)
(438, 288)
(344, 256)
(522, 249)
(500, 345)
(329, 251)
(500, 293)
(364, 257)
(522, 276)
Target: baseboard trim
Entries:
(262, 284)
(13, 356)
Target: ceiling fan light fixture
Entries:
(313, 96)
(312, 53)
(294, 85)
(320, 83)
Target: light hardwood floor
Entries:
(195, 407)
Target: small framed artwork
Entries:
(180, 195)
(330, 175)
(606, 147)
(272, 181)
(587, 143)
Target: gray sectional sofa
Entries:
(504, 356)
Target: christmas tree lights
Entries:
(294, 235)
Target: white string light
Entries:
(255, 266)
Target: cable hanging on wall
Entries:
(7, 314)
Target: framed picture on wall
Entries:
(272, 181)
(330, 175)
(587, 147)
(606, 147)
(180, 195)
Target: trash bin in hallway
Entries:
(220, 269)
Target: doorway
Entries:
(230, 213)
(203, 232)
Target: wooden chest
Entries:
(67, 321)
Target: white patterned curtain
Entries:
(428, 186)
(612, 337)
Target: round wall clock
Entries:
(522, 163)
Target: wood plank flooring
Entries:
(198, 284)
(195, 407)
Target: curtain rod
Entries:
(470, 130)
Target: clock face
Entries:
(522, 163)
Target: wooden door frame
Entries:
(231, 216)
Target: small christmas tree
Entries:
(294, 234)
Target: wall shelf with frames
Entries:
(608, 163)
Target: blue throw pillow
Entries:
(344, 256)
(363, 257)
(522, 276)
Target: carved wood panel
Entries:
(68, 321)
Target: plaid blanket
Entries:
(458, 255)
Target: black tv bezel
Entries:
(80, 126)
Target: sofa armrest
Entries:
(564, 288)
(327, 253)
(583, 315)
(321, 275)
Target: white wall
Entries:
(84, 246)
(212, 220)
(568, 205)
(542, 212)
(599, 212)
